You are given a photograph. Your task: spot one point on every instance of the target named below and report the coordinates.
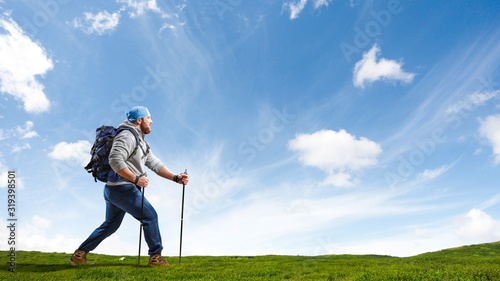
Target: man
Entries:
(121, 192)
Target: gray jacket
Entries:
(123, 146)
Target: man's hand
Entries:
(183, 179)
(143, 181)
(128, 175)
(166, 173)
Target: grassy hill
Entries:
(476, 262)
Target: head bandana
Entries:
(137, 112)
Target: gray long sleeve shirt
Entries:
(123, 146)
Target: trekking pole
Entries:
(140, 229)
(182, 217)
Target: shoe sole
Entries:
(72, 263)
(161, 265)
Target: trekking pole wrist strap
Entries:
(176, 178)
(137, 179)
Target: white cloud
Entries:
(71, 157)
(4, 174)
(432, 174)
(319, 3)
(478, 227)
(166, 26)
(34, 237)
(295, 8)
(139, 7)
(78, 151)
(100, 23)
(330, 150)
(22, 61)
(489, 130)
(29, 135)
(371, 69)
(104, 22)
(25, 132)
(471, 101)
(36, 225)
(337, 153)
(18, 147)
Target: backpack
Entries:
(99, 162)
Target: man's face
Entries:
(146, 125)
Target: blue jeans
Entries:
(121, 199)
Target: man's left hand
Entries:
(183, 179)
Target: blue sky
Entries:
(308, 126)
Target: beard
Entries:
(145, 129)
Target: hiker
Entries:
(122, 194)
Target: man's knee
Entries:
(149, 216)
(111, 226)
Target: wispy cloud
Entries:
(444, 85)
(22, 61)
(139, 7)
(19, 147)
(491, 202)
(105, 22)
(100, 23)
(432, 174)
(319, 3)
(296, 8)
(471, 101)
(371, 68)
(489, 130)
(25, 132)
(338, 153)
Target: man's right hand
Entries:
(143, 181)
(128, 175)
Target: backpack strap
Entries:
(121, 128)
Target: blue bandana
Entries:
(137, 112)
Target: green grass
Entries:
(476, 262)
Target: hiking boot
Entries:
(157, 260)
(79, 258)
